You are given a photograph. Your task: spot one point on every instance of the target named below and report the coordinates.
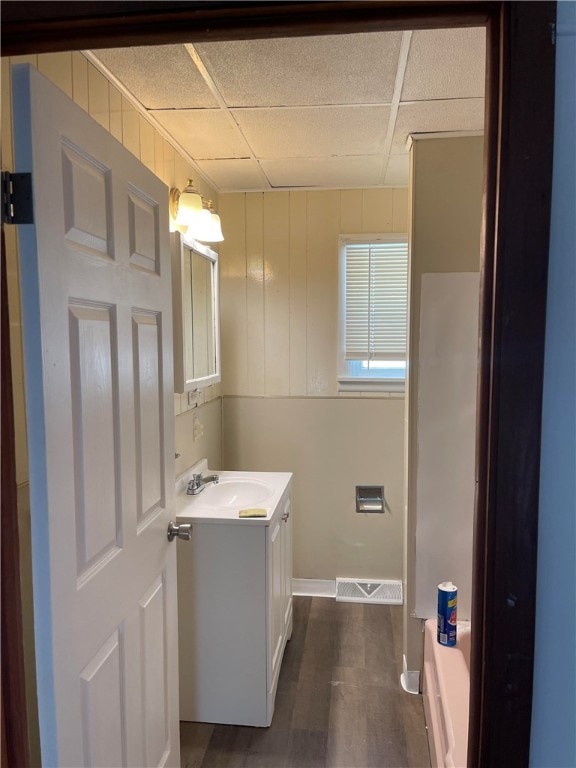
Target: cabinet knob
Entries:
(285, 516)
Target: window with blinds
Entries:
(374, 288)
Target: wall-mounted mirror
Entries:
(195, 302)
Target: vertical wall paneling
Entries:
(233, 295)
(377, 208)
(169, 177)
(30, 58)
(399, 211)
(146, 144)
(57, 67)
(285, 314)
(298, 282)
(98, 98)
(322, 292)
(80, 80)
(130, 127)
(159, 156)
(351, 211)
(277, 293)
(182, 174)
(115, 112)
(255, 322)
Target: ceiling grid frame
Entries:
(398, 85)
(209, 80)
(294, 133)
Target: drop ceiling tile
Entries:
(313, 132)
(330, 172)
(162, 76)
(397, 172)
(436, 116)
(206, 134)
(445, 64)
(332, 69)
(235, 175)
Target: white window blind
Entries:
(376, 276)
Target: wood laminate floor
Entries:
(339, 702)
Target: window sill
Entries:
(371, 385)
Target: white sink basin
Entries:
(237, 493)
(221, 503)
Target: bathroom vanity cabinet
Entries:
(234, 613)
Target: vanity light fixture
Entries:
(211, 228)
(185, 206)
(191, 214)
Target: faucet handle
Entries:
(193, 484)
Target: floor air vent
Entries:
(354, 591)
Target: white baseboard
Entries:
(314, 587)
(410, 678)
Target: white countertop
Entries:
(199, 509)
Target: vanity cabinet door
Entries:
(287, 566)
(276, 600)
(279, 593)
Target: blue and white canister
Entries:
(447, 613)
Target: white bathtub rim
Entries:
(453, 753)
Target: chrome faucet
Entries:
(198, 483)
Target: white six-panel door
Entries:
(96, 296)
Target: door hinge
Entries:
(17, 198)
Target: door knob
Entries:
(182, 531)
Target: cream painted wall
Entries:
(83, 83)
(279, 325)
(445, 219)
(330, 445)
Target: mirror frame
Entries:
(180, 247)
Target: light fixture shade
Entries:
(189, 206)
(203, 227)
(210, 230)
(217, 237)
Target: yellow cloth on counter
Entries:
(252, 513)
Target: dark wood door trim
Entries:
(512, 357)
(517, 193)
(52, 26)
